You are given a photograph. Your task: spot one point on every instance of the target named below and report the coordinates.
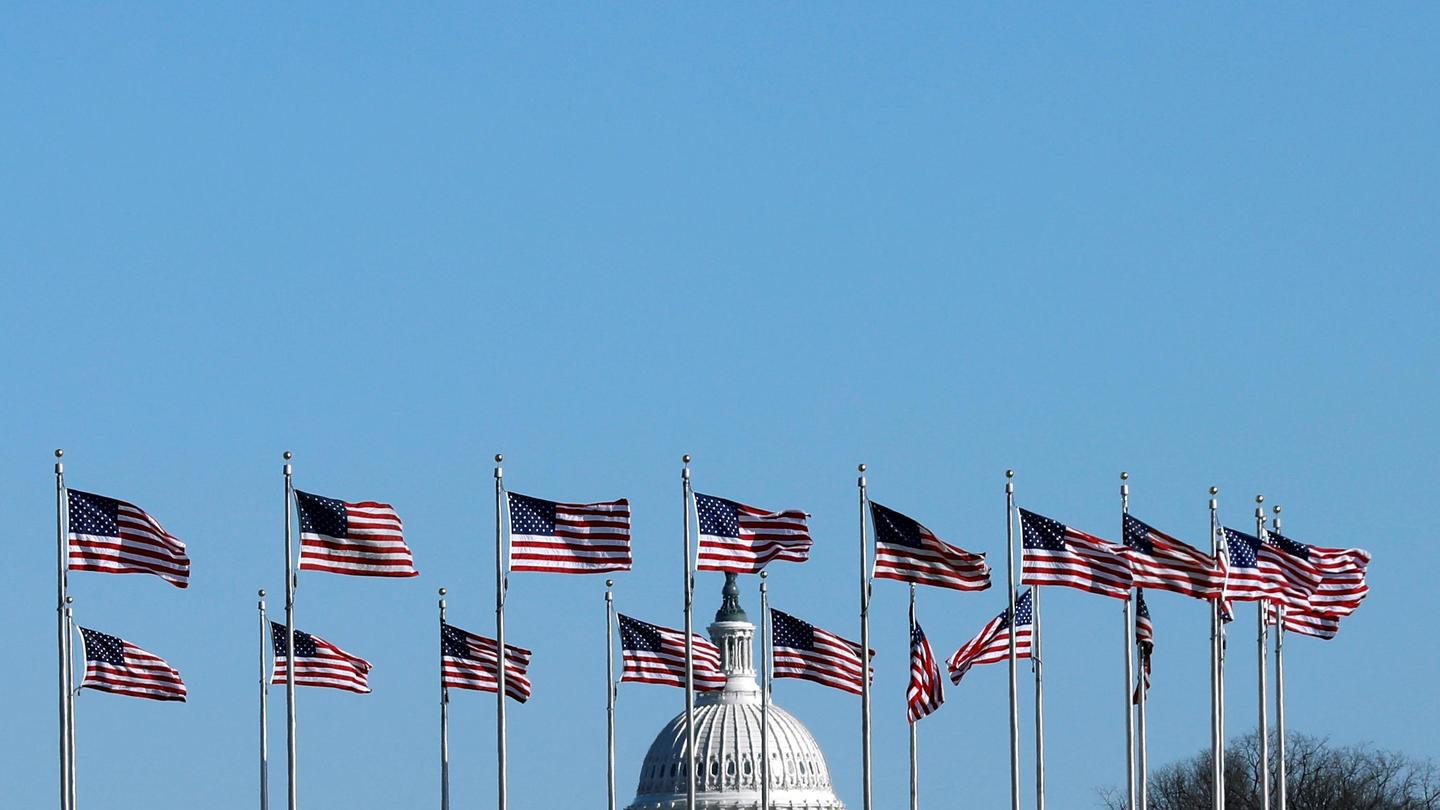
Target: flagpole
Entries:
(264, 709)
(864, 648)
(764, 692)
(444, 716)
(914, 736)
(610, 690)
(1129, 633)
(70, 677)
(1281, 774)
(689, 640)
(1037, 662)
(1014, 682)
(1217, 666)
(62, 640)
(290, 584)
(502, 586)
(1263, 692)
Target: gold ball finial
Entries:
(1214, 490)
(59, 453)
(287, 455)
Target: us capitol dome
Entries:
(727, 740)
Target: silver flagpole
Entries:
(444, 716)
(502, 586)
(914, 736)
(1037, 661)
(1142, 769)
(265, 639)
(1014, 681)
(1263, 692)
(764, 692)
(689, 641)
(610, 690)
(290, 584)
(62, 625)
(1129, 633)
(1217, 667)
(70, 675)
(864, 648)
(1282, 777)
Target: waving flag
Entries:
(743, 539)
(1270, 568)
(568, 538)
(1342, 572)
(363, 539)
(1159, 561)
(113, 664)
(655, 654)
(1056, 554)
(468, 661)
(115, 537)
(927, 687)
(320, 663)
(992, 644)
(803, 650)
(909, 552)
(1305, 622)
(1145, 640)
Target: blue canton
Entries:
(95, 515)
(789, 631)
(100, 647)
(531, 515)
(638, 635)
(1137, 535)
(1242, 548)
(304, 642)
(893, 528)
(718, 517)
(320, 515)
(453, 643)
(1039, 531)
(1285, 544)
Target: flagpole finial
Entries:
(685, 458)
(499, 457)
(59, 453)
(1009, 473)
(1277, 508)
(1259, 499)
(609, 583)
(262, 593)
(1214, 490)
(443, 591)
(287, 455)
(861, 468)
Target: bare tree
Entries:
(1321, 777)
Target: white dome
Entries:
(727, 741)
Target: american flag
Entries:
(1145, 640)
(363, 539)
(320, 663)
(927, 687)
(992, 644)
(909, 552)
(802, 650)
(1056, 554)
(1270, 568)
(742, 539)
(1305, 622)
(115, 537)
(467, 661)
(655, 654)
(113, 664)
(568, 538)
(1342, 577)
(1159, 561)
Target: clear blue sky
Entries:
(1196, 244)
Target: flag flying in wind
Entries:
(655, 654)
(1342, 572)
(1056, 554)
(1159, 561)
(115, 537)
(927, 687)
(568, 538)
(992, 644)
(363, 539)
(320, 663)
(1272, 567)
(113, 664)
(802, 650)
(1145, 640)
(1305, 622)
(742, 539)
(909, 552)
(468, 661)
